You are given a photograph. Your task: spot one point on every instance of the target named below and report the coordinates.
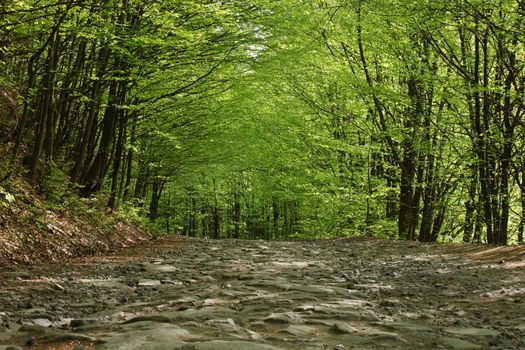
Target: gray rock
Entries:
(231, 345)
(42, 322)
(300, 330)
(286, 317)
(344, 328)
(148, 283)
(147, 336)
(227, 323)
(477, 332)
(457, 344)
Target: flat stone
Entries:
(232, 345)
(60, 337)
(286, 317)
(42, 322)
(300, 330)
(313, 289)
(457, 344)
(479, 332)
(148, 283)
(107, 283)
(227, 323)
(159, 268)
(150, 318)
(147, 336)
(344, 328)
(408, 326)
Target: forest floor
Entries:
(39, 228)
(177, 293)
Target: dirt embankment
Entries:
(33, 229)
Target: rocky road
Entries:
(255, 295)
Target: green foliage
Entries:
(271, 119)
(6, 198)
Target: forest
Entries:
(271, 119)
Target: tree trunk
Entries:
(156, 192)
(117, 160)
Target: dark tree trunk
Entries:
(129, 159)
(156, 192)
(45, 110)
(236, 215)
(94, 178)
(117, 159)
(90, 127)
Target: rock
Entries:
(150, 318)
(58, 287)
(344, 328)
(477, 332)
(231, 345)
(60, 337)
(42, 322)
(239, 299)
(148, 283)
(158, 268)
(147, 336)
(283, 318)
(457, 344)
(300, 330)
(227, 323)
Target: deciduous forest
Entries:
(262, 174)
(271, 119)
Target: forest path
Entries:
(235, 295)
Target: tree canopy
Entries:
(270, 119)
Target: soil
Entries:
(178, 293)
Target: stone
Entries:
(283, 317)
(42, 322)
(227, 323)
(146, 335)
(60, 337)
(148, 283)
(344, 328)
(300, 330)
(159, 268)
(476, 332)
(231, 345)
(457, 344)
